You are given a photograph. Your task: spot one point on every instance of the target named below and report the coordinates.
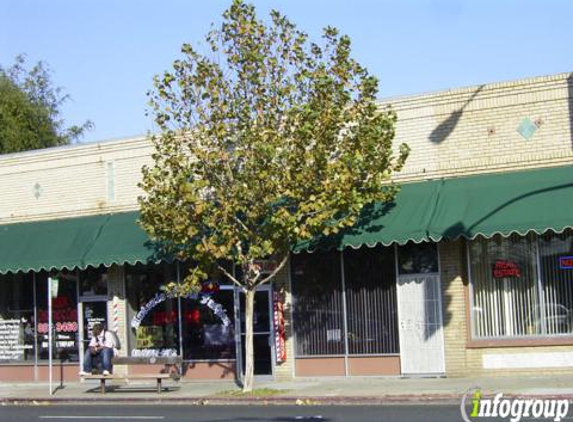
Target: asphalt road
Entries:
(240, 413)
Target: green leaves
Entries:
(266, 139)
(30, 116)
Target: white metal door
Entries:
(420, 324)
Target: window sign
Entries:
(503, 268)
(12, 339)
(94, 312)
(566, 262)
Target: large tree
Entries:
(265, 139)
(30, 109)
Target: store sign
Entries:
(54, 285)
(279, 323)
(204, 299)
(503, 268)
(566, 262)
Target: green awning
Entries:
(74, 243)
(519, 202)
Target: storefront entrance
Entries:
(420, 322)
(262, 335)
(420, 310)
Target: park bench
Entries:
(170, 371)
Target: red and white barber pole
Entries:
(115, 315)
(279, 323)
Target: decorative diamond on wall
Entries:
(526, 128)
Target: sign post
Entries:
(52, 292)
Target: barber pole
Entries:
(115, 315)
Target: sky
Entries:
(104, 53)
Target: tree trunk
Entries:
(249, 347)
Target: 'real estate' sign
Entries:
(566, 262)
(503, 268)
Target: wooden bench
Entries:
(171, 364)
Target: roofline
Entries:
(72, 146)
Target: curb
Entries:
(394, 399)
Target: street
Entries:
(179, 413)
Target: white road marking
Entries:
(102, 417)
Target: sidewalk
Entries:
(359, 390)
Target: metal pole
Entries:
(35, 328)
(50, 363)
(179, 317)
(345, 314)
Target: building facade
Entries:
(468, 273)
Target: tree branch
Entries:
(275, 271)
(233, 279)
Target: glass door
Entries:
(262, 331)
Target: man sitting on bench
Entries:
(100, 349)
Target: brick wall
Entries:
(282, 284)
(474, 130)
(72, 181)
(451, 133)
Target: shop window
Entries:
(520, 286)
(556, 311)
(156, 330)
(17, 337)
(418, 258)
(64, 317)
(205, 336)
(317, 300)
(370, 280)
(93, 282)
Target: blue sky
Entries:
(105, 52)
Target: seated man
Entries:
(100, 349)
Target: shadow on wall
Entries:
(570, 103)
(444, 129)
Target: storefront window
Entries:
(93, 282)
(205, 336)
(64, 317)
(556, 256)
(154, 322)
(370, 280)
(418, 258)
(17, 324)
(317, 300)
(520, 286)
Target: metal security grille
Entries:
(317, 298)
(370, 280)
(360, 319)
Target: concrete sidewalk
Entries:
(359, 390)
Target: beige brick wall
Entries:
(453, 306)
(451, 133)
(71, 180)
(282, 284)
(474, 130)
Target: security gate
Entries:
(420, 324)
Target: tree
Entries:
(265, 140)
(30, 110)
